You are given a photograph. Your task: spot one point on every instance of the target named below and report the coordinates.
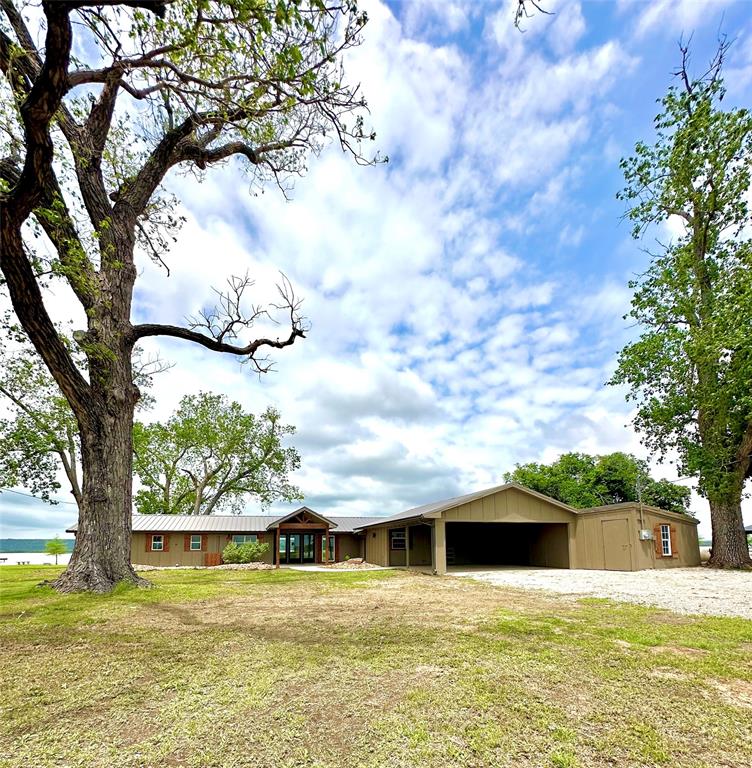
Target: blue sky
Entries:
(466, 299)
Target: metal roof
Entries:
(442, 506)
(636, 505)
(226, 523)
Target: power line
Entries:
(31, 496)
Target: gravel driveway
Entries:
(685, 590)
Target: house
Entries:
(303, 536)
(505, 525)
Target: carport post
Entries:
(407, 546)
(439, 546)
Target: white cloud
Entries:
(671, 16)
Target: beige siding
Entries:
(420, 544)
(509, 506)
(686, 541)
(551, 548)
(177, 554)
(590, 547)
(349, 545)
(377, 546)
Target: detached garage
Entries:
(512, 525)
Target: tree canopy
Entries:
(689, 371)
(212, 456)
(583, 481)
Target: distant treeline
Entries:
(29, 545)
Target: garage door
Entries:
(535, 544)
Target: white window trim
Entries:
(160, 548)
(248, 538)
(399, 535)
(200, 542)
(666, 550)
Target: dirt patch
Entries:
(315, 612)
(678, 650)
(738, 693)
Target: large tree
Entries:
(86, 143)
(213, 456)
(690, 370)
(582, 481)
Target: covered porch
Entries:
(303, 537)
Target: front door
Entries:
(293, 547)
(297, 548)
(309, 548)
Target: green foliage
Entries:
(211, 455)
(40, 436)
(55, 547)
(583, 481)
(249, 552)
(40, 433)
(690, 369)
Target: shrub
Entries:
(250, 552)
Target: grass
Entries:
(244, 668)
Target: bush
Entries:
(250, 552)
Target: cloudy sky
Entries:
(466, 299)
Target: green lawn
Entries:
(239, 668)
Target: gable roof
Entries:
(435, 508)
(303, 510)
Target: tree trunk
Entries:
(101, 554)
(729, 548)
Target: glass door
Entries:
(309, 548)
(293, 548)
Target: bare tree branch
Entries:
(216, 328)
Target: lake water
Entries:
(13, 551)
(34, 558)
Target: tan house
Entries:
(505, 525)
(303, 536)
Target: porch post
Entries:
(407, 546)
(439, 546)
(276, 547)
(326, 545)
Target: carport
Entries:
(499, 543)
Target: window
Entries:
(323, 548)
(666, 540)
(245, 538)
(157, 543)
(397, 538)
(196, 542)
